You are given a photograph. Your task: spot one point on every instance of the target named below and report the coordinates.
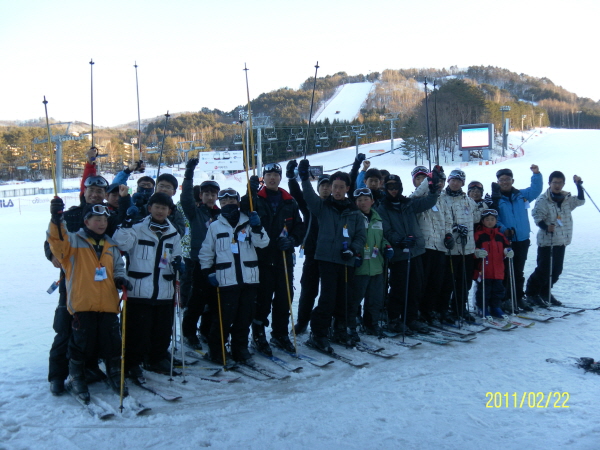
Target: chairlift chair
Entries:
(269, 150)
(300, 148)
(237, 139)
(289, 147)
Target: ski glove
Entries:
(139, 199)
(509, 252)
(121, 282)
(360, 157)
(509, 233)
(462, 230)
(290, 170)
(407, 242)
(254, 219)
(285, 243)
(389, 252)
(480, 253)
(358, 262)
(496, 191)
(347, 255)
(178, 265)
(303, 168)
(190, 167)
(139, 166)
(254, 185)
(132, 212)
(57, 207)
(212, 279)
(449, 241)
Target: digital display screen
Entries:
(475, 137)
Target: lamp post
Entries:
(504, 130)
(578, 119)
(541, 115)
(522, 119)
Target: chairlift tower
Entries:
(58, 139)
(259, 122)
(391, 117)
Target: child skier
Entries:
(155, 255)
(491, 248)
(94, 270)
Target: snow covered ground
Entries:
(427, 397)
(345, 103)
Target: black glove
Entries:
(121, 282)
(57, 207)
(496, 191)
(360, 158)
(433, 179)
(254, 185)
(285, 243)
(439, 169)
(462, 230)
(347, 254)
(303, 168)
(358, 262)
(409, 242)
(449, 241)
(138, 199)
(509, 233)
(190, 167)
(132, 213)
(289, 170)
(178, 265)
(138, 166)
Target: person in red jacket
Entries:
(491, 247)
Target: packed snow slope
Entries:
(429, 397)
(345, 103)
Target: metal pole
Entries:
(259, 151)
(139, 120)
(92, 96)
(437, 142)
(250, 122)
(163, 143)
(311, 109)
(52, 160)
(428, 132)
(503, 132)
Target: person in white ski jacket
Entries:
(553, 216)
(229, 247)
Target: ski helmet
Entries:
(419, 170)
(457, 174)
(272, 167)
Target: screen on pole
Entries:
(477, 136)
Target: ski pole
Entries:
(162, 147)
(587, 193)
(52, 157)
(92, 95)
(287, 285)
(406, 295)
(454, 288)
(551, 263)
(137, 90)
(513, 286)
(221, 327)
(123, 331)
(250, 123)
(173, 339)
(483, 288)
(346, 298)
(247, 168)
(312, 101)
(178, 305)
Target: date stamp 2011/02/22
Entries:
(527, 399)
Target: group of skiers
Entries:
(412, 259)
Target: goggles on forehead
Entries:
(229, 193)
(363, 191)
(489, 212)
(272, 167)
(97, 210)
(96, 181)
(392, 186)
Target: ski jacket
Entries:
(177, 219)
(152, 279)
(512, 208)
(217, 250)
(340, 224)
(493, 242)
(376, 242)
(80, 261)
(460, 210)
(199, 217)
(432, 222)
(287, 215)
(550, 212)
(400, 221)
(309, 241)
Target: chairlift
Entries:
(378, 130)
(300, 136)
(289, 147)
(318, 144)
(237, 139)
(270, 134)
(269, 150)
(300, 148)
(325, 143)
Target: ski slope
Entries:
(425, 398)
(345, 103)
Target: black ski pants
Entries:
(95, 333)
(494, 294)
(459, 276)
(309, 289)
(434, 268)
(148, 332)
(272, 291)
(202, 294)
(237, 305)
(185, 286)
(334, 298)
(399, 277)
(539, 281)
(58, 363)
(521, 248)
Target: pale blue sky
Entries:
(191, 53)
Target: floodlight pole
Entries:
(504, 130)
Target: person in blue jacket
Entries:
(512, 205)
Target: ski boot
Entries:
(192, 342)
(283, 342)
(57, 387)
(341, 336)
(242, 355)
(259, 340)
(320, 343)
(300, 327)
(397, 326)
(113, 372)
(418, 327)
(354, 337)
(497, 312)
(374, 330)
(536, 300)
(136, 374)
(77, 380)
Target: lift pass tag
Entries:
(234, 247)
(434, 208)
(558, 221)
(242, 236)
(163, 263)
(375, 252)
(301, 252)
(100, 274)
(366, 253)
(345, 232)
(52, 287)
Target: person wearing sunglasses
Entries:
(402, 231)
(341, 237)
(280, 216)
(94, 270)
(229, 263)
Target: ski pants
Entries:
(309, 289)
(95, 333)
(272, 291)
(236, 305)
(148, 332)
(459, 276)
(434, 268)
(58, 363)
(185, 286)
(494, 294)
(399, 277)
(202, 294)
(371, 289)
(539, 280)
(335, 294)
(521, 248)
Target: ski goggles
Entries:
(229, 193)
(419, 170)
(97, 210)
(489, 212)
(475, 185)
(363, 191)
(457, 175)
(393, 186)
(96, 181)
(272, 167)
(209, 184)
